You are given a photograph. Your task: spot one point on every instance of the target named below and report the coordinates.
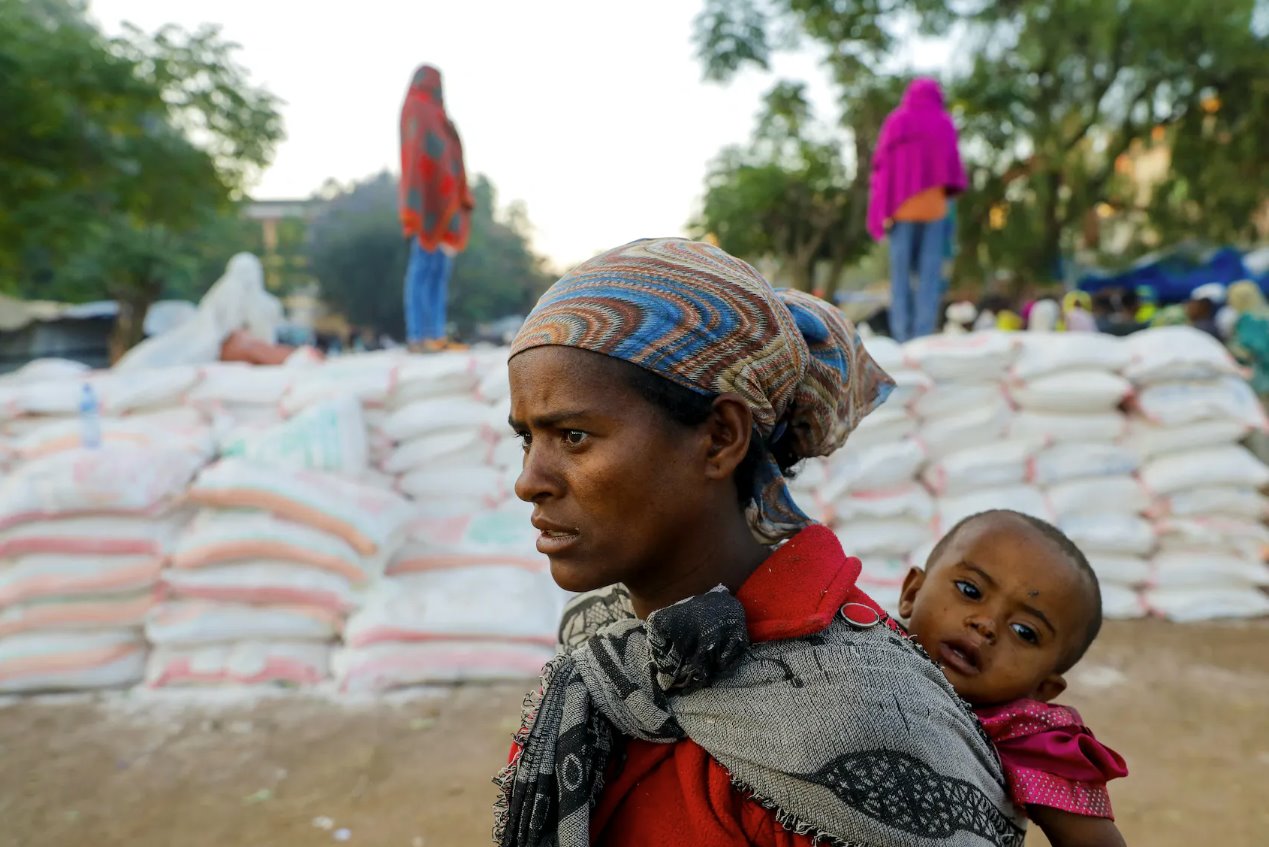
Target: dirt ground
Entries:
(1185, 704)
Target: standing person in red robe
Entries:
(435, 206)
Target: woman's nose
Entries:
(537, 479)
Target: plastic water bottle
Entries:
(89, 418)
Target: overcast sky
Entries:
(592, 113)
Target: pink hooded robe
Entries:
(917, 151)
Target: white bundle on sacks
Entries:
(83, 536)
(263, 578)
(1191, 410)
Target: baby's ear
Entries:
(1051, 688)
(911, 587)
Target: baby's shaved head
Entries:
(1092, 593)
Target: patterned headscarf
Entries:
(692, 314)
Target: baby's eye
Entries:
(574, 438)
(1026, 633)
(968, 589)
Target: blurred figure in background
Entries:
(1045, 315)
(1250, 339)
(916, 168)
(1204, 303)
(1077, 312)
(435, 206)
(960, 318)
(1146, 305)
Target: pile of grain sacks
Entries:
(1129, 446)
(356, 519)
(372, 492)
(260, 582)
(83, 536)
(1190, 411)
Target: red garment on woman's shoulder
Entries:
(675, 794)
(1051, 759)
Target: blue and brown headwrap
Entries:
(690, 313)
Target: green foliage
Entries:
(1059, 93)
(797, 192)
(1053, 97)
(121, 157)
(358, 256)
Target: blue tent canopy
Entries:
(1173, 275)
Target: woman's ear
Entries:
(729, 429)
(911, 587)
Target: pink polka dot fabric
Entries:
(1051, 759)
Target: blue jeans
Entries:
(916, 248)
(426, 287)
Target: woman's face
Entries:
(617, 487)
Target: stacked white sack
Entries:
(1069, 390)
(370, 380)
(83, 536)
(451, 450)
(466, 598)
(262, 580)
(40, 410)
(976, 462)
(870, 491)
(236, 396)
(1191, 410)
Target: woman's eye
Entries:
(574, 438)
(968, 589)
(525, 440)
(1026, 633)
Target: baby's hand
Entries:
(1064, 829)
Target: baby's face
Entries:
(1000, 610)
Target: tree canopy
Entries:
(358, 256)
(122, 158)
(1058, 101)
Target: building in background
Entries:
(283, 230)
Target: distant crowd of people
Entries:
(1237, 316)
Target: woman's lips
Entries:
(553, 538)
(555, 542)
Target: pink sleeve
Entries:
(1061, 769)
(1051, 759)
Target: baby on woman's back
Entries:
(1006, 605)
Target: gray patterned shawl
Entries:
(851, 735)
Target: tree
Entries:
(1060, 96)
(122, 157)
(358, 256)
(790, 193)
(1054, 98)
(799, 190)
